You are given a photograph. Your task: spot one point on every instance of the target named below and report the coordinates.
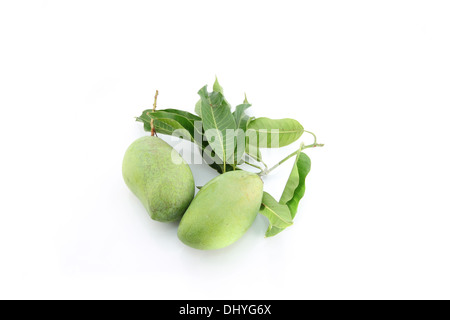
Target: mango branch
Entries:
(152, 125)
(315, 144)
(259, 161)
(267, 171)
(253, 165)
(302, 147)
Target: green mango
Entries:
(159, 177)
(222, 211)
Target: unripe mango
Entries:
(222, 211)
(159, 177)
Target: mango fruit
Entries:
(159, 177)
(223, 210)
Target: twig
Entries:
(153, 132)
(302, 147)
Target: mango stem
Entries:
(302, 147)
(152, 125)
(260, 160)
(315, 144)
(267, 171)
(253, 165)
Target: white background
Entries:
(370, 78)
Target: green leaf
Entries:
(219, 167)
(183, 113)
(245, 100)
(162, 124)
(217, 87)
(169, 120)
(217, 119)
(210, 160)
(289, 130)
(273, 231)
(242, 121)
(198, 107)
(192, 118)
(278, 214)
(295, 186)
(252, 149)
(241, 118)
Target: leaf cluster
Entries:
(209, 129)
